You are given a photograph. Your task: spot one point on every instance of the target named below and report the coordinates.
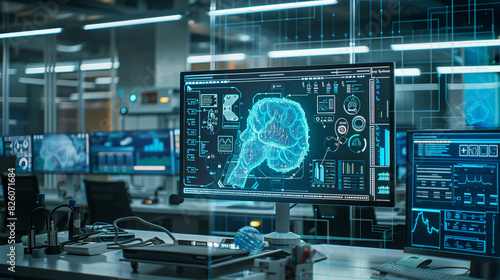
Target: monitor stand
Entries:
(485, 269)
(282, 238)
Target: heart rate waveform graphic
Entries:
(425, 231)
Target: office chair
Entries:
(26, 192)
(107, 201)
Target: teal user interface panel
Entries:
(317, 134)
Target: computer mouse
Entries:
(414, 261)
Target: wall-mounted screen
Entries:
(317, 134)
(61, 153)
(133, 152)
(19, 146)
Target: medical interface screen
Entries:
(61, 153)
(453, 192)
(20, 147)
(310, 134)
(145, 152)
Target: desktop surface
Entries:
(343, 262)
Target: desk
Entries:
(343, 262)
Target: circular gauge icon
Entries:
(15, 146)
(342, 129)
(212, 164)
(358, 123)
(26, 143)
(23, 163)
(342, 126)
(352, 105)
(357, 144)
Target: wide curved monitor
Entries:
(452, 196)
(61, 153)
(315, 134)
(147, 152)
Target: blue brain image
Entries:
(277, 131)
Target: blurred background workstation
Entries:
(395, 139)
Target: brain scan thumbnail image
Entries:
(277, 131)
(59, 151)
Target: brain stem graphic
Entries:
(277, 131)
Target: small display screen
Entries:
(19, 146)
(61, 153)
(133, 152)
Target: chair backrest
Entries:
(107, 201)
(26, 192)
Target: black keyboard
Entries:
(417, 273)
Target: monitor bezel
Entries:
(59, 171)
(92, 165)
(392, 175)
(428, 251)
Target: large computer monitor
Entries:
(61, 153)
(452, 196)
(19, 146)
(133, 152)
(315, 134)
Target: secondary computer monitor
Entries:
(133, 152)
(177, 149)
(61, 153)
(19, 146)
(1, 146)
(452, 195)
(315, 134)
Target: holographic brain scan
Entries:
(311, 134)
(276, 131)
(61, 153)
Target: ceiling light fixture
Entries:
(218, 57)
(445, 45)
(131, 22)
(272, 7)
(65, 67)
(105, 80)
(468, 69)
(30, 33)
(317, 52)
(407, 72)
(58, 69)
(66, 83)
